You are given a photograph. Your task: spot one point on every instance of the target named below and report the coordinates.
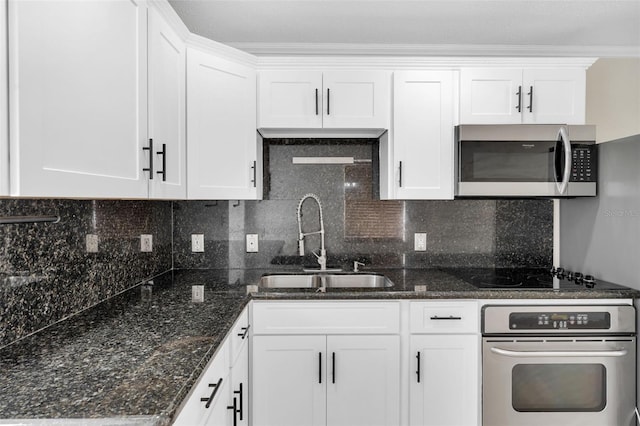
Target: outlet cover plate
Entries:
(92, 243)
(197, 293)
(252, 243)
(197, 243)
(420, 241)
(146, 243)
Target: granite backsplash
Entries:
(479, 233)
(46, 273)
(473, 233)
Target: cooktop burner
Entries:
(531, 279)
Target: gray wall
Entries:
(601, 236)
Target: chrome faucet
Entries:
(322, 257)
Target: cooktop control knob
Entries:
(578, 278)
(589, 281)
(569, 276)
(560, 273)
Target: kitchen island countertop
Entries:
(133, 358)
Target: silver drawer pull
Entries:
(449, 318)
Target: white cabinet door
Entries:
(330, 99)
(444, 388)
(422, 135)
(167, 109)
(356, 99)
(289, 381)
(363, 380)
(78, 90)
(515, 95)
(491, 96)
(290, 99)
(554, 96)
(221, 128)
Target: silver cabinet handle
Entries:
(550, 354)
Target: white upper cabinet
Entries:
(422, 136)
(4, 103)
(554, 96)
(222, 158)
(78, 98)
(167, 117)
(330, 99)
(290, 99)
(516, 95)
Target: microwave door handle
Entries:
(551, 354)
(566, 143)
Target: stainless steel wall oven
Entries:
(558, 365)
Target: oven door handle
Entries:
(563, 134)
(549, 354)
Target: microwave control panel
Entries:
(559, 321)
(583, 163)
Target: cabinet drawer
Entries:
(326, 317)
(204, 399)
(444, 317)
(239, 335)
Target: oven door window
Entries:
(482, 161)
(559, 387)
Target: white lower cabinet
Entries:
(220, 397)
(289, 380)
(444, 363)
(326, 380)
(336, 369)
(444, 386)
(363, 387)
(207, 402)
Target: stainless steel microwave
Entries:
(526, 160)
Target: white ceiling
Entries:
(447, 27)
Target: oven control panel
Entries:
(559, 321)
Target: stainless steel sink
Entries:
(289, 281)
(325, 280)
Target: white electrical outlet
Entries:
(252, 243)
(197, 243)
(197, 293)
(146, 243)
(420, 241)
(92, 243)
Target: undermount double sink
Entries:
(319, 280)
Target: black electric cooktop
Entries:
(531, 279)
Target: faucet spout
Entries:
(322, 256)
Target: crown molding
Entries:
(220, 49)
(169, 14)
(416, 62)
(395, 50)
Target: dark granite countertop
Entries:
(438, 284)
(137, 355)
